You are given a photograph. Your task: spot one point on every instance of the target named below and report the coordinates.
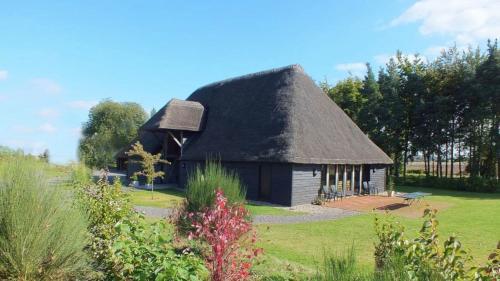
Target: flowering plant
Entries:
(226, 230)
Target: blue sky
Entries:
(58, 58)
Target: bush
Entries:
(124, 246)
(42, 236)
(204, 181)
(474, 184)
(424, 258)
(144, 252)
(225, 229)
(344, 267)
(105, 206)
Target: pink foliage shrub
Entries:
(227, 232)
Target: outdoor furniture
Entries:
(366, 189)
(329, 195)
(413, 197)
(371, 187)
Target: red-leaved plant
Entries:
(227, 232)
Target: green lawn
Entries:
(169, 198)
(166, 198)
(473, 217)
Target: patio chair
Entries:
(366, 189)
(373, 188)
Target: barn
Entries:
(276, 129)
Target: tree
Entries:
(347, 94)
(45, 156)
(153, 112)
(370, 109)
(147, 162)
(110, 127)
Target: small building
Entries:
(283, 136)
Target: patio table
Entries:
(412, 197)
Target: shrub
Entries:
(474, 184)
(105, 206)
(204, 181)
(124, 246)
(42, 236)
(144, 252)
(225, 229)
(423, 258)
(80, 175)
(344, 267)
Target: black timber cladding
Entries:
(248, 172)
(306, 181)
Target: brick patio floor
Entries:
(376, 203)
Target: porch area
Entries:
(383, 204)
(342, 180)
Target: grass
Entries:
(166, 198)
(170, 198)
(473, 217)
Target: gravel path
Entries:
(154, 212)
(313, 213)
(323, 215)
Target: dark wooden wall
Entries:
(306, 181)
(378, 176)
(249, 174)
(291, 184)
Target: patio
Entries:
(379, 203)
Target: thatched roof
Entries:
(278, 116)
(177, 115)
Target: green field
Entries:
(166, 198)
(473, 217)
(170, 198)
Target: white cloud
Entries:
(46, 85)
(3, 97)
(47, 128)
(355, 68)
(82, 104)
(48, 113)
(467, 21)
(4, 74)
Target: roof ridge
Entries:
(295, 67)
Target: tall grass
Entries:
(344, 267)
(42, 237)
(205, 180)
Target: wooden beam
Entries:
(344, 179)
(352, 179)
(336, 177)
(360, 178)
(327, 178)
(175, 139)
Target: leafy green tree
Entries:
(370, 110)
(45, 156)
(153, 112)
(347, 95)
(111, 126)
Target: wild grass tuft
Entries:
(205, 180)
(42, 237)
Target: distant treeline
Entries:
(446, 110)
